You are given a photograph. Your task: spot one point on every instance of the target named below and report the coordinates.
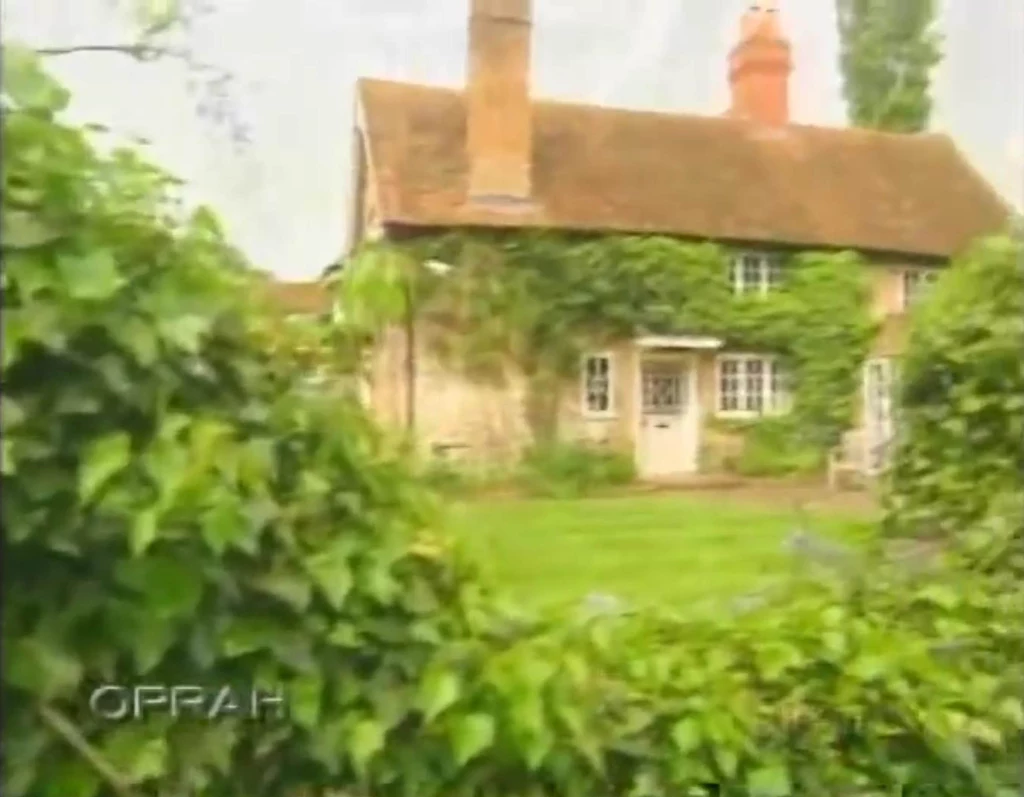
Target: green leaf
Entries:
(138, 753)
(8, 465)
(245, 636)
(727, 761)
(92, 276)
(332, 573)
(1012, 709)
(170, 587)
(471, 735)
(104, 458)
(41, 668)
(437, 692)
(144, 530)
(185, 331)
(150, 640)
(366, 739)
(224, 525)
(24, 230)
(68, 778)
(770, 782)
(289, 586)
(686, 735)
(27, 84)
(941, 595)
(304, 699)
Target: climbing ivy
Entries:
(540, 299)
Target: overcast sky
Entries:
(284, 196)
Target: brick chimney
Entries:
(759, 67)
(499, 133)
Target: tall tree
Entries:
(888, 49)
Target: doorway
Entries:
(668, 434)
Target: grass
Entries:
(686, 551)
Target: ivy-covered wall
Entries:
(540, 300)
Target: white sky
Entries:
(284, 197)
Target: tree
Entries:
(887, 53)
(164, 30)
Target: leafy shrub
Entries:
(178, 509)
(775, 447)
(961, 409)
(451, 477)
(572, 469)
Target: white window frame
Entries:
(769, 273)
(774, 402)
(585, 407)
(925, 279)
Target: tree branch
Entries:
(67, 731)
(134, 50)
(139, 51)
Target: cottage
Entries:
(494, 156)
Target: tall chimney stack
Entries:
(759, 67)
(499, 132)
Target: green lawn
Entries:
(686, 550)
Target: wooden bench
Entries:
(847, 462)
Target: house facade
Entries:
(493, 156)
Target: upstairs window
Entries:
(755, 273)
(916, 283)
(750, 385)
(597, 385)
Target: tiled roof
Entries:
(607, 169)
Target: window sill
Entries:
(748, 415)
(600, 416)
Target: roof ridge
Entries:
(725, 121)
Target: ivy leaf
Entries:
(686, 735)
(23, 230)
(291, 587)
(224, 525)
(144, 530)
(332, 573)
(170, 587)
(769, 782)
(471, 735)
(365, 741)
(92, 276)
(304, 700)
(150, 640)
(102, 460)
(438, 691)
(136, 753)
(248, 635)
(68, 778)
(41, 668)
(185, 331)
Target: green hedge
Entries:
(178, 508)
(574, 469)
(961, 414)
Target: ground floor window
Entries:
(597, 385)
(751, 385)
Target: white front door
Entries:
(879, 424)
(667, 442)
